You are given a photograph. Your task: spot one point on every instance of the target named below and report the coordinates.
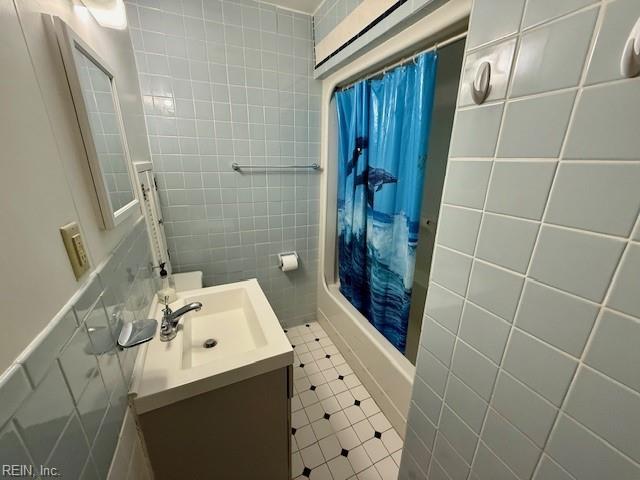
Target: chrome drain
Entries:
(210, 343)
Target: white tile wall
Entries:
(494, 288)
(557, 50)
(596, 196)
(329, 14)
(507, 241)
(500, 56)
(537, 11)
(484, 331)
(485, 120)
(520, 189)
(533, 316)
(63, 403)
(459, 227)
(534, 127)
(487, 26)
(231, 81)
(557, 317)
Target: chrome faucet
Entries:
(170, 320)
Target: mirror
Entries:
(99, 99)
(95, 99)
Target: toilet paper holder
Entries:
(286, 254)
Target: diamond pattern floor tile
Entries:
(338, 430)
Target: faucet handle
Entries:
(166, 310)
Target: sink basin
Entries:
(235, 336)
(226, 324)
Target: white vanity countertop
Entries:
(250, 342)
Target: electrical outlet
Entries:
(75, 249)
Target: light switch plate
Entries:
(75, 248)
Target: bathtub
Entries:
(384, 371)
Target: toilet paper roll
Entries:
(288, 262)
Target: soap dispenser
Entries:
(167, 293)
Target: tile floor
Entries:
(338, 431)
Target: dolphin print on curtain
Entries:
(383, 133)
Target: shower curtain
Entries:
(383, 132)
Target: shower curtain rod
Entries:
(405, 60)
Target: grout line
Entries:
(535, 26)
(566, 135)
(577, 99)
(303, 409)
(489, 263)
(499, 137)
(14, 424)
(292, 234)
(557, 18)
(530, 96)
(582, 359)
(415, 461)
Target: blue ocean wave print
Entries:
(383, 128)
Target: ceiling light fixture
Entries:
(108, 13)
